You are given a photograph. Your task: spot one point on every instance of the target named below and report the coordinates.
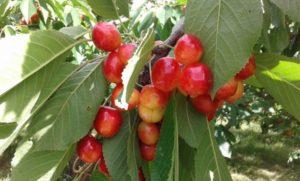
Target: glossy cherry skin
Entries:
(102, 168)
(126, 51)
(165, 74)
(238, 94)
(227, 90)
(133, 101)
(188, 50)
(203, 103)
(149, 115)
(106, 36)
(195, 80)
(141, 175)
(248, 70)
(148, 133)
(113, 68)
(108, 121)
(147, 151)
(89, 149)
(152, 97)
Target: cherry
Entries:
(102, 168)
(210, 116)
(89, 149)
(148, 133)
(34, 19)
(204, 103)
(125, 52)
(147, 151)
(227, 90)
(248, 70)
(151, 115)
(152, 97)
(133, 101)
(238, 94)
(112, 68)
(108, 121)
(188, 49)
(106, 36)
(195, 80)
(165, 73)
(141, 175)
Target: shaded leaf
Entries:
(187, 161)
(97, 176)
(110, 8)
(289, 7)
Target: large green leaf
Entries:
(135, 66)
(289, 7)
(74, 31)
(110, 8)
(24, 55)
(188, 122)
(68, 115)
(117, 149)
(6, 129)
(42, 165)
(166, 163)
(187, 161)
(97, 176)
(27, 8)
(280, 76)
(228, 30)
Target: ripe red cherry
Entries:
(148, 133)
(165, 73)
(89, 149)
(102, 168)
(141, 175)
(227, 90)
(248, 70)
(106, 36)
(112, 68)
(108, 121)
(147, 151)
(133, 101)
(152, 97)
(204, 103)
(188, 50)
(195, 80)
(125, 52)
(238, 94)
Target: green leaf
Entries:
(165, 165)
(209, 162)
(135, 66)
(28, 9)
(24, 55)
(187, 161)
(97, 176)
(42, 165)
(289, 7)
(182, 2)
(68, 115)
(228, 31)
(280, 76)
(6, 129)
(254, 82)
(117, 149)
(188, 121)
(74, 31)
(110, 8)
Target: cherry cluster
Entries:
(184, 72)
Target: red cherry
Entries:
(133, 101)
(210, 116)
(248, 70)
(141, 175)
(113, 68)
(238, 94)
(125, 52)
(89, 149)
(227, 90)
(148, 133)
(147, 151)
(152, 97)
(188, 50)
(102, 168)
(108, 121)
(106, 36)
(196, 79)
(204, 103)
(165, 73)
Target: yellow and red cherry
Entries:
(147, 151)
(152, 97)
(248, 70)
(89, 150)
(108, 121)
(106, 36)
(195, 80)
(165, 73)
(113, 68)
(188, 49)
(133, 101)
(126, 52)
(151, 115)
(148, 133)
(238, 93)
(227, 90)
